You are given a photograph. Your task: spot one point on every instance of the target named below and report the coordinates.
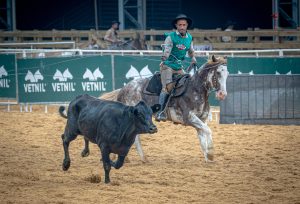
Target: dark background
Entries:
(79, 14)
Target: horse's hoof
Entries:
(145, 160)
(210, 158)
(66, 165)
(160, 119)
(85, 153)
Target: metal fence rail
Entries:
(262, 99)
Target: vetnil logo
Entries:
(63, 85)
(92, 76)
(93, 84)
(133, 73)
(33, 86)
(62, 76)
(4, 82)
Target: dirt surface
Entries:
(254, 164)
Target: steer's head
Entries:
(143, 117)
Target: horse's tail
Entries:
(112, 96)
(61, 112)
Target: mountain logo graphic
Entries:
(135, 74)
(34, 77)
(93, 76)
(3, 72)
(62, 76)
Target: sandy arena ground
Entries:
(254, 164)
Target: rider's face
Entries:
(115, 26)
(181, 26)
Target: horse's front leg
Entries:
(139, 148)
(204, 135)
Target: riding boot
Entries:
(161, 115)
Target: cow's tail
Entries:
(61, 112)
(112, 96)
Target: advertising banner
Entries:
(7, 76)
(62, 79)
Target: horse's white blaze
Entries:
(222, 69)
(209, 77)
(204, 134)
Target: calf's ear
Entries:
(155, 108)
(134, 111)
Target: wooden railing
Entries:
(239, 39)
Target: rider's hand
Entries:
(161, 64)
(194, 61)
(163, 58)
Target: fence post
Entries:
(113, 72)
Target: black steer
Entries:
(111, 125)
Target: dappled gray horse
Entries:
(191, 108)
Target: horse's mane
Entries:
(205, 68)
(221, 60)
(212, 63)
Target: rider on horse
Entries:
(175, 47)
(111, 37)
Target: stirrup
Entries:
(161, 116)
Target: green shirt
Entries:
(178, 51)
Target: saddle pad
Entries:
(154, 85)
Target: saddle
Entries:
(154, 86)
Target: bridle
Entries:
(215, 84)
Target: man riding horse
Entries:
(111, 37)
(175, 47)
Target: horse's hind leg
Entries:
(205, 137)
(86, 151)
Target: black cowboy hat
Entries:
(115, 21)
(182, 16)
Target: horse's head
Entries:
(138, 42)
(215, 73)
